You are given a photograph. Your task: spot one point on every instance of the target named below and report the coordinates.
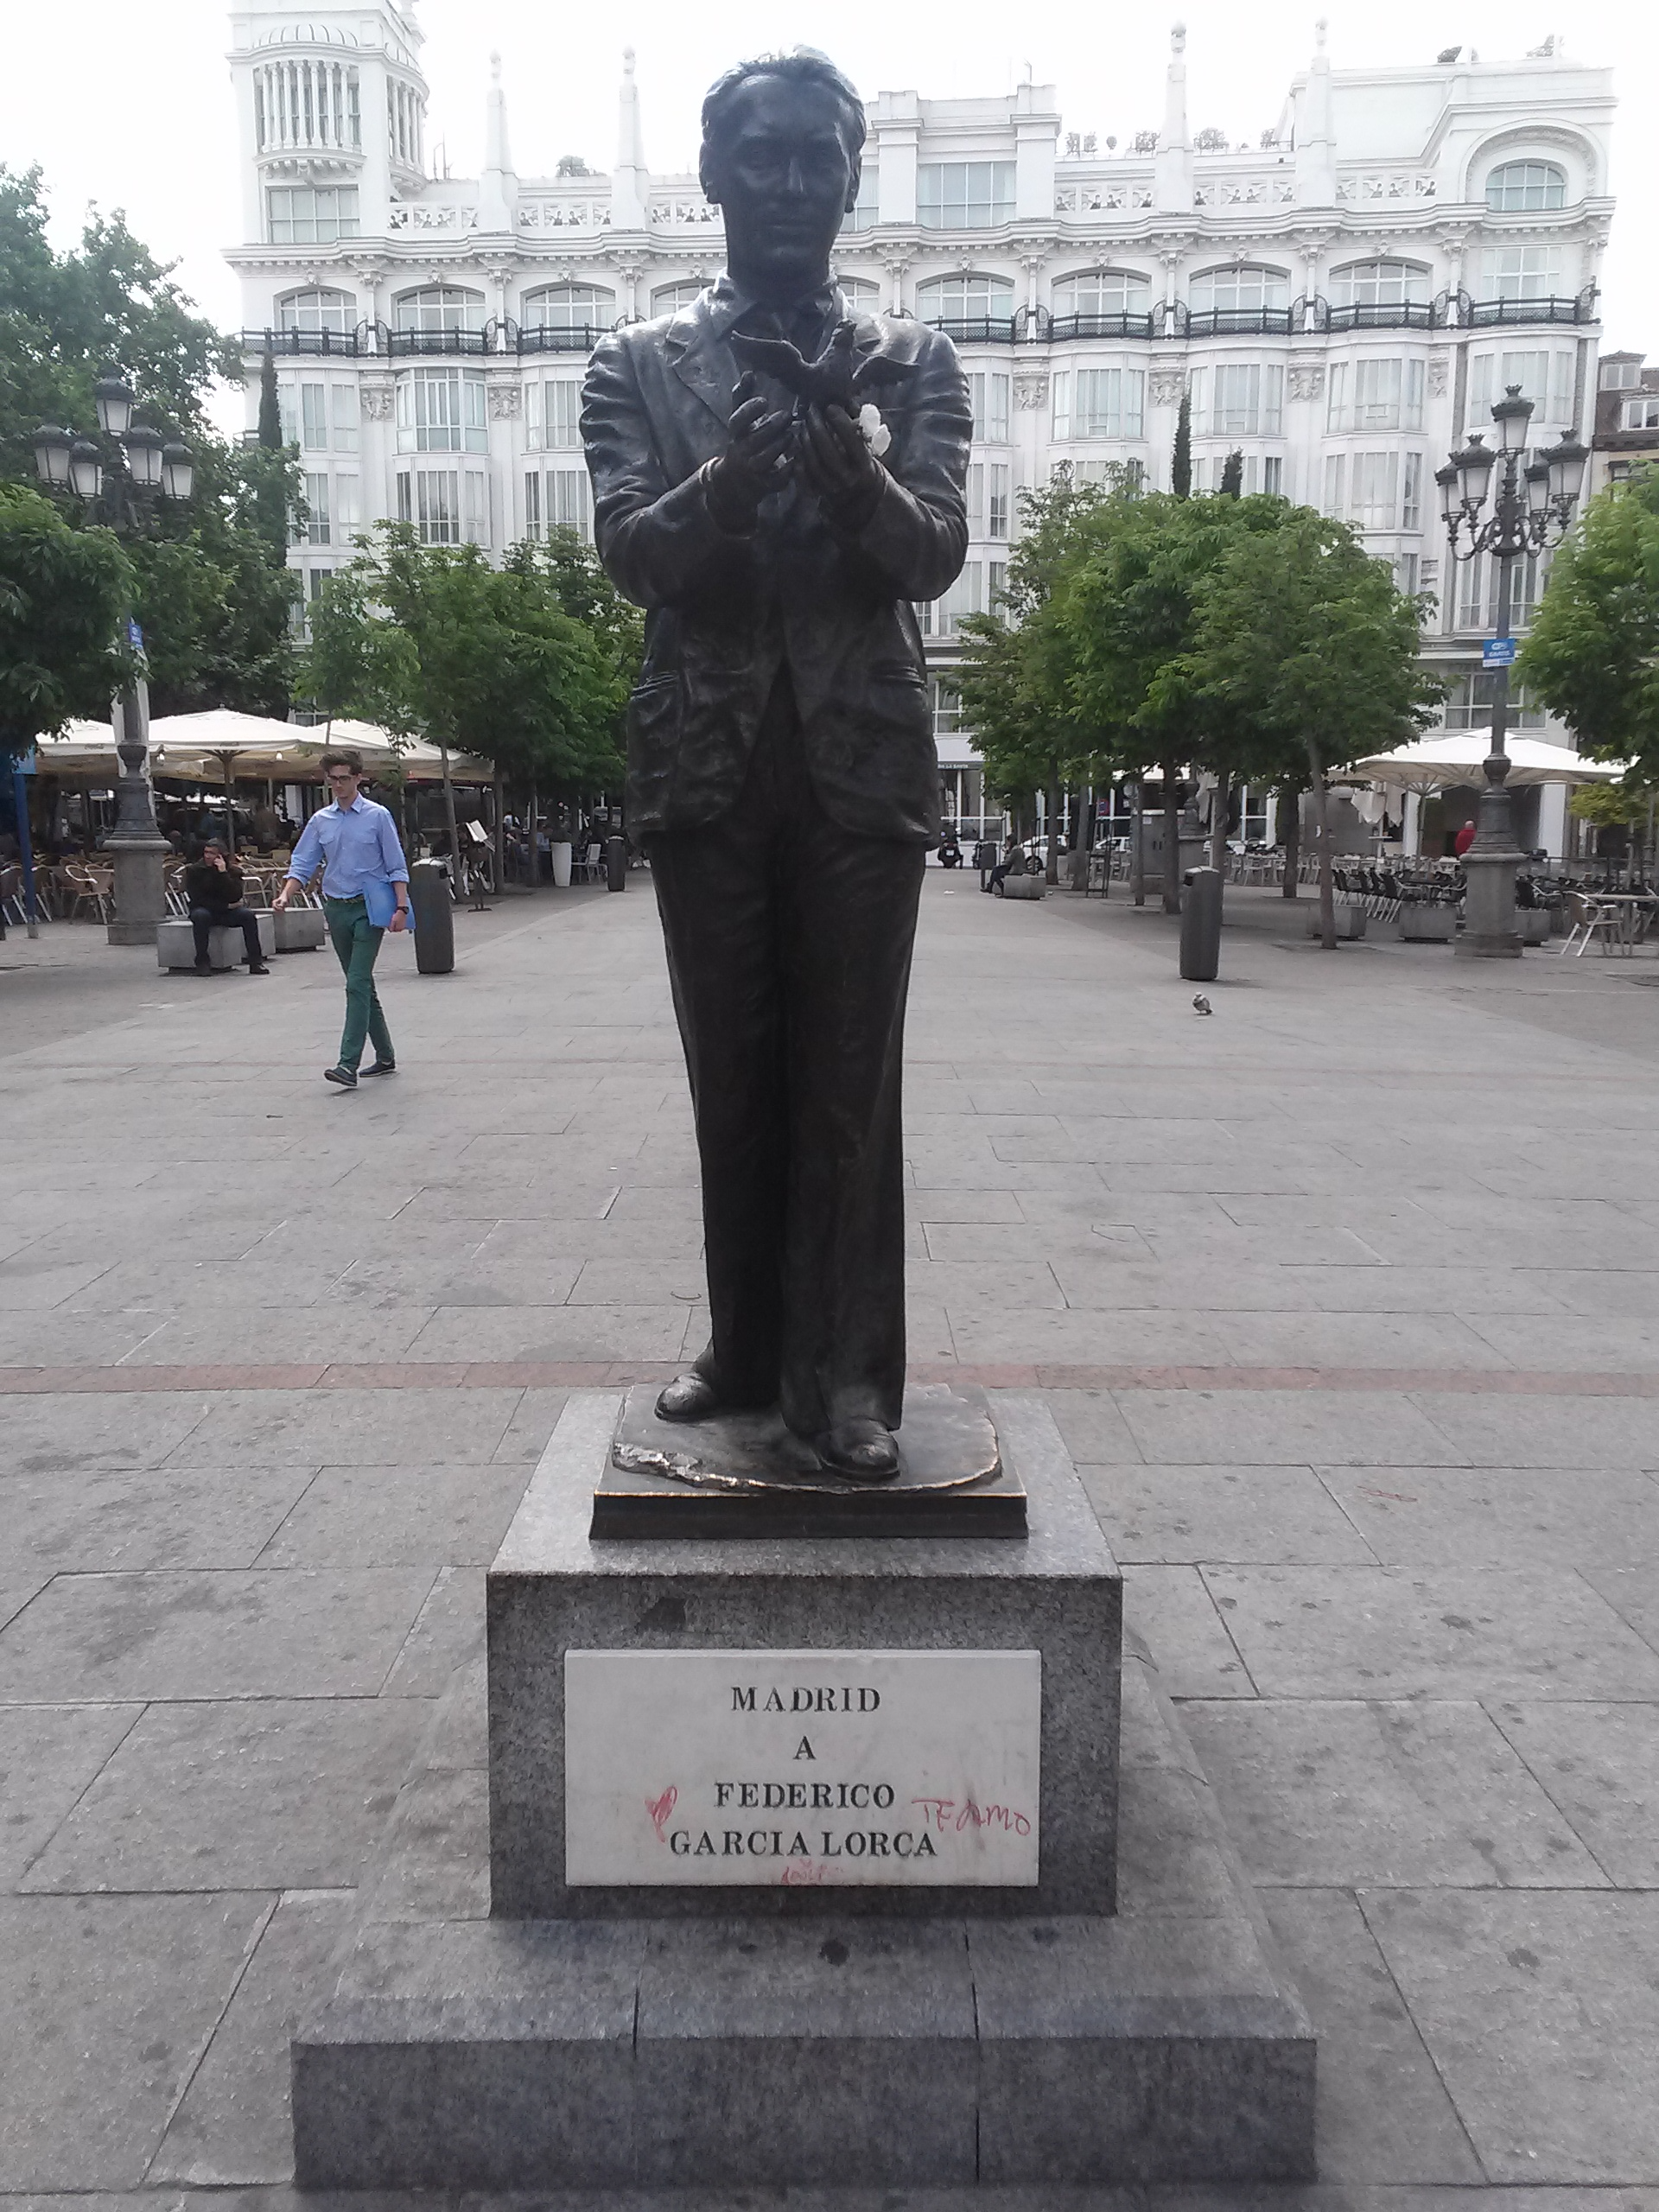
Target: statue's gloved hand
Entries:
(753, 464)
(839, 467)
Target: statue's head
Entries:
(783, 138)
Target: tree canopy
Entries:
(1304, 642)
(210, 585)
(62, 593)
(528, 665)
(1592, 653)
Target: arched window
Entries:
(317, 310)
(669, 299)
(976, 302)
(568, 306)
(1378, 284)
(1102, 292)
(1239, 287)
(441, 307)
(1519, 187)
(861, 296)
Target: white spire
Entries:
(630, 184)
(1173, 182)
(497, 187)
(1316, 137)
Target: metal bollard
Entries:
(1201, 925)
(616, 863)
(433, 911)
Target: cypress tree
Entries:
(1181, 464)
(270, 415)
(1233, 474)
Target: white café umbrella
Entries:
(1455, 757)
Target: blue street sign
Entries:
(134, 636)
(1497, 653)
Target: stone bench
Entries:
(176, 941)
(1350, 921)
(299, 929)
(1426, 922)
(1023, 886)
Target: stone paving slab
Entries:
(1348, 1141)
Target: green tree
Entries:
(1304, 638)
(1592, 653)
(1129, 619)
(64, 318)
(1015, 680)
(62, 593)
(1180, 459)
(211, 588)
(1232, 475)
(528, 665)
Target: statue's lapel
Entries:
(702, 361)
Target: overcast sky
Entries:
(130, 104)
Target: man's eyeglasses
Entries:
(342, 776)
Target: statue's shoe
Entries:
(687, 1397)
(860, 1449)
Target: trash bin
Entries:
(434, 914)
(1201, 925)
(616, 863)
(561, 857)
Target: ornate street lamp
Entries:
(1532, 510)
(120, 480)
(52, 455)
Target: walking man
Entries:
(365, 893)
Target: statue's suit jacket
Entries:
(724, 611)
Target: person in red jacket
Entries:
(1465, 838)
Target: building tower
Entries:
(332, 106)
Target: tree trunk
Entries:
(1138, 848)
(1290, 811)
(1221, 807)
(499, 827)
(534, 844)
(1172, 841)
(1080, 827)
(1052, 873)
(1328, 888)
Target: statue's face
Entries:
(782, 175)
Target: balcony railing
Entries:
(554, 338)
(1063, 326)
(977, 330)
(1484, 313)
(1240, 323)
(1376, 315)
(402, 344)
(1168, 319)
(307, 342)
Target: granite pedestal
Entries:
(492, 2024)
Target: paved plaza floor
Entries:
(1345, 1298)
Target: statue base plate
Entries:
(745, 1475)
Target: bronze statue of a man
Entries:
(781, 764)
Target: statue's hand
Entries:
(840, 466)
(753, 463)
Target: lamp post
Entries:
(1533, 509)
(120, 479)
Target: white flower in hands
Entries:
(877, 436)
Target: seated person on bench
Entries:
(213, 888)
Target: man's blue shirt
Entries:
(358, 845)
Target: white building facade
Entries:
(1343, 302)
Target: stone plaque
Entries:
(750, 1769)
